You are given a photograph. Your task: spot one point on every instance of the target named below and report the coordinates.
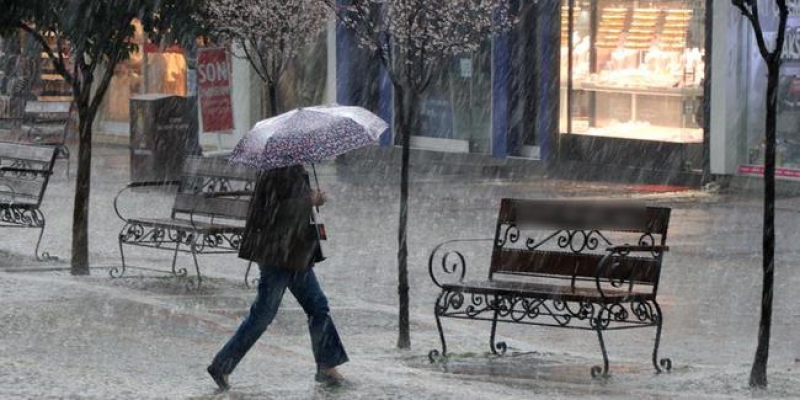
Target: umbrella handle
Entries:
(316, 180)
(314, 168)
(316, 225)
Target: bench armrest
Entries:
(613, 258)
(133, 185)
(451, 262)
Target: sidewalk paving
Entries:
(147, 337)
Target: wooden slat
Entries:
(49, 107)
(42, 154)
(220, 207)
(21, 187)
(525, 262)
(216, 167)
(8, 197)
(584, 215)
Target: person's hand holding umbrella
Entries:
(318, 198)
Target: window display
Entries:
(125, 82)
(148, 69)
(51, 86)
(636, 70)
(787, 158)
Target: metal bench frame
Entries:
(208, 192)
(25, 171)
(579, 286)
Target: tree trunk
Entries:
(758, 374)
(80, 216)
(272, 89)
(407, 104)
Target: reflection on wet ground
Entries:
(147, 336)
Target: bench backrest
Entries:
(25, 187)
(48, 111)
(204, 184)
(567, 239)
(57, 116)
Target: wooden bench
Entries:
(207, 216)
(24, 173)
(48, 123)
(569, 264)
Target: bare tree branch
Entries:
(272, 31)
(58, 63)
(752, 15)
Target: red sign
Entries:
(758, 170)
(214, 85)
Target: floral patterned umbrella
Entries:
(307, 136)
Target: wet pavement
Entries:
(147, 336)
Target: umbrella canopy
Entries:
(307, 135)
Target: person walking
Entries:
(279, 237)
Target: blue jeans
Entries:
(325, 342)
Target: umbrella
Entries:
(307, 136)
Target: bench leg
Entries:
(177, 272)
(44, 256)
(196, 267)
(598, 371)
(498, 348)
(115, 272)
(666, 363)
(434, 354)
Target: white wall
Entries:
(728, 89)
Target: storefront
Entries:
(599, 82)
(632, 84)
(744, 154)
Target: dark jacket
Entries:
(278, 231)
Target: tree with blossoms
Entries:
(86, 40)
(270, 33)
(413, 39)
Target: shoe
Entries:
(220, 379)
(330, 377)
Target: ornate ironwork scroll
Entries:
(21, 217)
(451, 263)
(575, 240)
(585, 314)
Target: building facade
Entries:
(670, 86)
(617, 83)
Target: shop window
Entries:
(788, 102)
(166, 70)
(524, 83)
(149, 69)
(457, 103)
(304, 81)
(633, 69)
